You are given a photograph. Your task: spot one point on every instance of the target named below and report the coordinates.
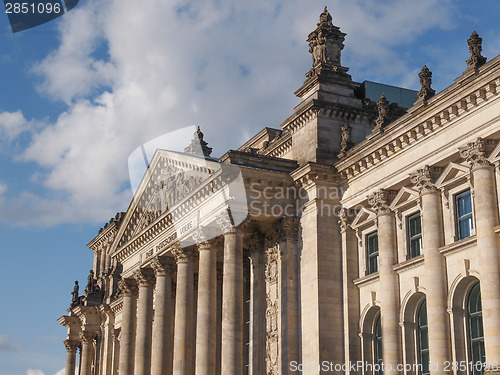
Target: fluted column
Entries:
(87, 352)
(71, 346)
(143, 340)
(163, 268)
(232, 299)
(389, 298)
(183, 327)
(128, 328)
(435, 268)
(486, 215)
(206, 324)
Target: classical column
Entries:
(143, 340)
(389, 297)
(183, 327)
(290, 227)
(102, 262)
(206, 319)
(163, 268)
(128, 328)
(87, 339)
(116, 351)
(486, 215)
(71, 346)
(255, 248)
(107, 340)
(232, 299)
(350, 272)
(435, 268)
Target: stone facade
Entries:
(362, 237)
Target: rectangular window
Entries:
(414, 235)
(372, 253)
(463, 210)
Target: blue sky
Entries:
(80, 93)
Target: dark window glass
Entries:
(423, 339)
(414, 236)
(476, 336)
(463, 208)
(372, 253)
(377, 348)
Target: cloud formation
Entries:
(8, 345)
(129, 75)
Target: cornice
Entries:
(314, 173)
(421, 122)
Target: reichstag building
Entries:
(360, 236)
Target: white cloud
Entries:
(12, 124)
(34, 372)
(3, 187)
(62, 372)
(228, 66)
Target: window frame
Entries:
(410, 238)
(459, 218)
(471, 341)
(370, 255)
(377, 346)
(419, 330)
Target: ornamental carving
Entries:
(162, 265)
(290, 227)
(346, 215)
(426, 91)
(380, 201)
(476, 152)
(128, 287)
(144, 276)
(424, 178)
(272, 261)
(475, 47)
(253, 244)
(225, 222)
(326, 42)
(71, 345)
(345, 142)
(381, 121)
(87, 337)
(184, 255)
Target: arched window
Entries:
(476, 336)
(377, 347)
(423, 339)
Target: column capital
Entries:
(424, 179)
(346, 215)
(128, 287)
(87, 337)
(184, 255)
(71, 345)
(476, 152)
(290, 227)
(379, 201)
(253, 244)
(144, 277)
(162, 265)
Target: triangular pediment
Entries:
(364, 215)
(495, 155)
(453, 172)
(167, 181)
(404, 197)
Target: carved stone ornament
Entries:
(71, 345)
(225, 222)
(184, 255)
(345, 142)
(380, 201)
(476, 152)
(426, 91)
(424, 179)
(253, 244)
(198, 145)
(475, 48)
(382, 105)
(346, 215)
(87, 337)
(144, 277)
(290, 227)
(162, 265)
(128, 287)
(326, 42)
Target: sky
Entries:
(80, 93)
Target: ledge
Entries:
(458, 245)
(366, 279)
(409, 263)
